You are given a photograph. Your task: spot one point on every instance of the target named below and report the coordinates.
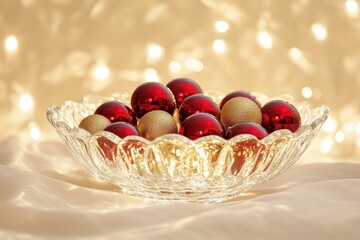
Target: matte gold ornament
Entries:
(240, 109)
(94, 123)
(156, 123)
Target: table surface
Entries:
(46, 194)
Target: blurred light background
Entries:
(58, 50)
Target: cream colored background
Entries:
(56, 50)
(59, 44)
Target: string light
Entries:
(221, 26)
(26, 102)
(11, 44)
(101, 72)
(319, 31)
(151, 75)
(219, 46)
(264, 40)
(352, 8)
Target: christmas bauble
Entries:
(116, 112)
(152, 96)
(246, 128)
(278, 114)
(155, 124)
(94, 123)
(199, 125)
(238, 94)
(122, 129)
(239, 109)
(182, 88)
(198, 103)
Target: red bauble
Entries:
(246, 128)
(201, 124)
(198, 103)
(278, 114)
(238, 94)
(116, 112)
(152, 96)
(122, 129)
(182, 88)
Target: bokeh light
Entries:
(101, 72)
(219, 46)
(307, 92)
(154, 51)
(151, 75)
(26, 102)
(264, 40)
(352, 8)
(175, 67)
(319, 31)
(11, 44)
(221, 26)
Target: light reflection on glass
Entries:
(151, 75)
(11, 44)
(264, 40)
(352, 8)
(221, 26)
(319, 31)
(219, 46)
(26, 102)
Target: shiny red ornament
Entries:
(199, 125)
(278, 114)
(116, 112)
(198, 103)
(122, 129)
(238, 94)
(246, 128)
(152, 96)
(182, 88)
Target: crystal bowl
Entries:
(175, 168)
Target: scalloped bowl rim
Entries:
(269, 138)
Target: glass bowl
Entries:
(175, 168)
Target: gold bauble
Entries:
(240, 109)
(94, 123)
(155, 124)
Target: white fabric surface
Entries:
(46, 194)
